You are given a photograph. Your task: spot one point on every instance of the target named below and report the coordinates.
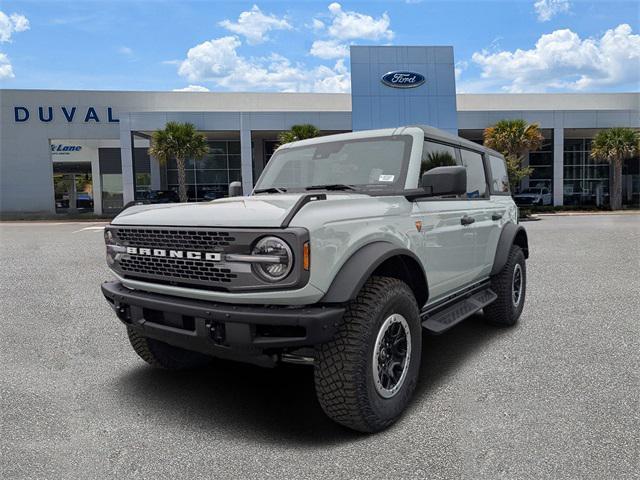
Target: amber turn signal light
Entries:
(306, 256)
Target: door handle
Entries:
(467, 220)
(496, 216)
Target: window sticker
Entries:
(386, 178)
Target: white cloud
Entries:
(562, 60)
(317, 25)
(332, 80)
(254, 25)
(329, 49)
(10, 24)
(345, 26)
(219, 62)
(125, 51)
(192, 88)
(348, 25)
(210, 59)
(547, 9)
(6, 70)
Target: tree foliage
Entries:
(514, 139)
(298, 132)
(614, 146)
(437, 159)
(182, 142)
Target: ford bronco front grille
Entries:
(195, 257)
(177, 269)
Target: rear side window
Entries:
(499, 177)
(437, 155)
(476, 183)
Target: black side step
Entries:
(441, 320)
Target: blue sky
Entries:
(500, 46)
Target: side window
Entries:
(476, 183)
(499, 177)
(437, 155)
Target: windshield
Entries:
(362, 164)
(535, 191)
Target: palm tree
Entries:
(437, 159)
(614, 146)
(514, 139)
(180, 141)
(298, 132)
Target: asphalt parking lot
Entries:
(556, 397)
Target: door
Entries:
(446, 247)
(447, 241)
(73, 187)
(487, 215)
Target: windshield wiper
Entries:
(331, 186)
(271, 190)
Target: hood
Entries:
(258, 211)
(527, 195)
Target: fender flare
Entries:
(511, 234)
(360, 266)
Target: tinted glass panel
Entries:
(235, 176)
(437, 155)
(218, 148)
(209, 177)
(476, 183)
(499, 177)
(370, 162)
(172, 176)
(234, 161)
(234, 148)
(213, 162)
(586, 180)
(541, 173)
(213, 176)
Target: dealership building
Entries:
(86, 151)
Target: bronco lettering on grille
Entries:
(161, 252)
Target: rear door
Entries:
(480, 210)
(496, 170)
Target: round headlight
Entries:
(274, 247)
(108, 237)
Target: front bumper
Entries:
(239, 332)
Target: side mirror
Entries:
(235, 189)
(445, 181)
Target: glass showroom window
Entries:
(586, 181)
(209, 178)
(542, 163)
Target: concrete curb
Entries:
(577, 214)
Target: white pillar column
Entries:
(246, 156)
(558, 166)
(126, 157)
(96, 182)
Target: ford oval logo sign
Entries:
(402, 79)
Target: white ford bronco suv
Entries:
(348, 247)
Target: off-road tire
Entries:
(344, 378)
(162, 355)
(502, 311)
